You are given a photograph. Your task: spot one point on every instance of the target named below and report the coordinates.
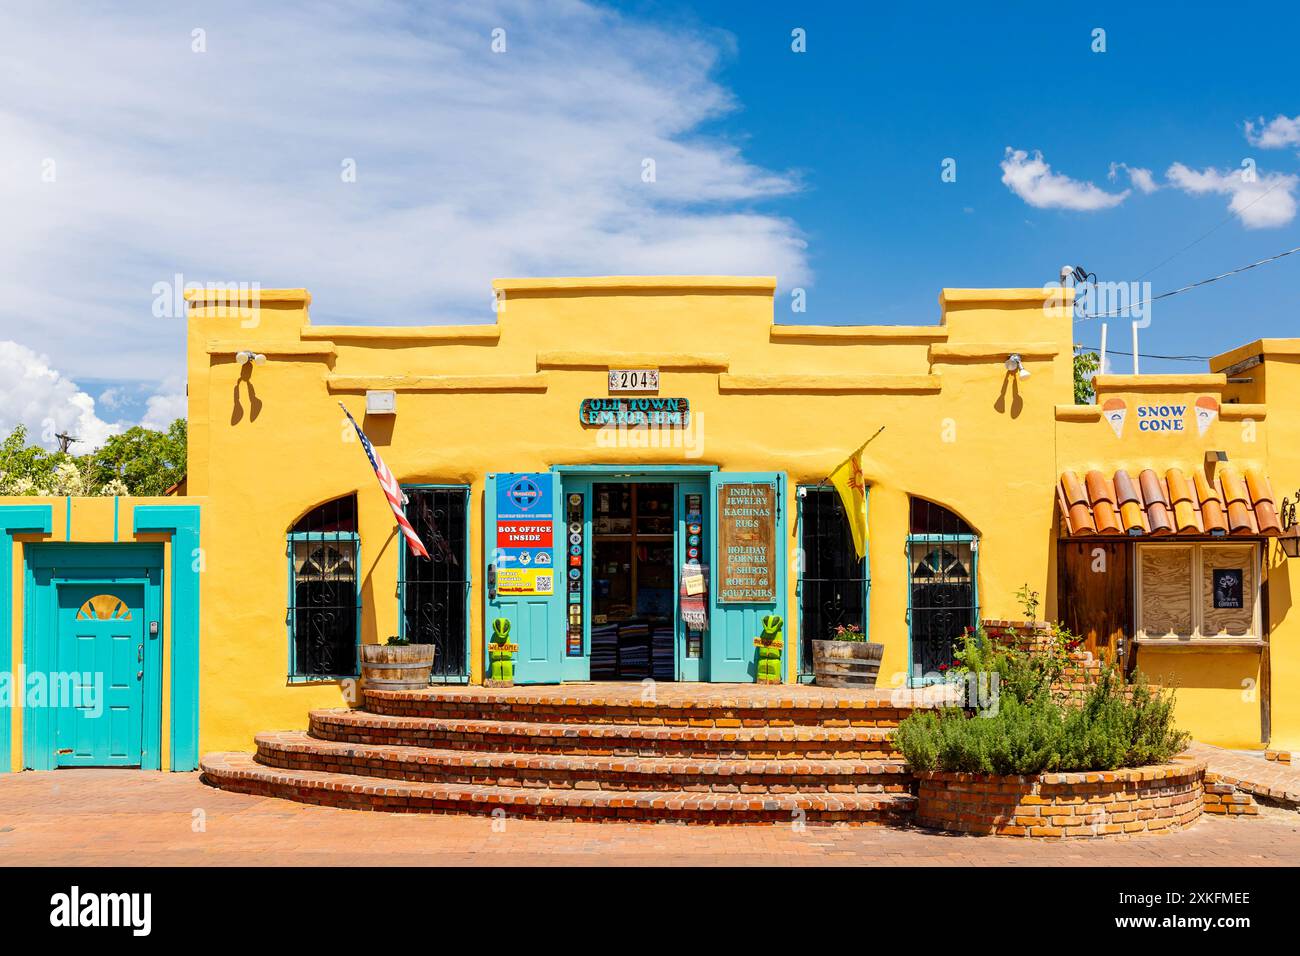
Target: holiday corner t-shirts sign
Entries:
(746, 543)
(525, 534)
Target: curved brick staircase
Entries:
(696, 754)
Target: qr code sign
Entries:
(544, 583)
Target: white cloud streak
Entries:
(225, 166)
(1279, 132)
(1033, 181)
(1261, 201)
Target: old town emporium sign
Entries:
(746, 543)
(663, 412)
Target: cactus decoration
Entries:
(769, 646)
(501, 653)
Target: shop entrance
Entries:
(635, 545)
(633, 599)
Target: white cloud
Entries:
(1141, 178)
(47, 402)
(1263, 201)
(163, 409)
(226, 165)
(1278, 132)
(1034, 182)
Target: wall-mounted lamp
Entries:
(1290, 538)
(243, 358)
(1213, 457)
(1014, 364)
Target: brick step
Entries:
(240, 772)
(299, 751)
(819, 707)
(726, 743)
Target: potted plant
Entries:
(397, 664)
(770, 645)
(846, 658)
(501, 656)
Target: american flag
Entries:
(392, 490)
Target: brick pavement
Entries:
(1248, 771)
(101, 817)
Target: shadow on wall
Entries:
(254, 403)
(1011, 383)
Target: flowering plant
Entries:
(847, 632)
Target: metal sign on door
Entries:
(525, 534)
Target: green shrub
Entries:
(1117, 725)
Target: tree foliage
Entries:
(1086, 365)
(139, 461)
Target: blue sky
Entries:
(195, 139)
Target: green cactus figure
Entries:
(769, 650)
(503, 662)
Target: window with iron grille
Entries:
(324, 615)
(942, 557)
(434, 593)
(833, 580)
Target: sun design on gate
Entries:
(104, 607)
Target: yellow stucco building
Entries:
(632, 471)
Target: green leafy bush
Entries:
(1032, 731)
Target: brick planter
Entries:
(1090, 804)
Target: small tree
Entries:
(1086, 365)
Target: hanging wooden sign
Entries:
(746, 543)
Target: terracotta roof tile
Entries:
(1173, 504)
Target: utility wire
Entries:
(1194, 285)
(1168, 358)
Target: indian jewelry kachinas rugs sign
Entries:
(746, 543)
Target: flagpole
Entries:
(856, 452)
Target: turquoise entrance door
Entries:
(524, 554)
(97, 688)
(747, 528)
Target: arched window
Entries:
(324, 614)
(942, 555)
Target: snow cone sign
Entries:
(1156, 417)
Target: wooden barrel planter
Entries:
(396, 666)
(846, 663)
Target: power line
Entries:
(1194, 285)
(1168, 358)
(1225, 219)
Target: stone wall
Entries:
(1090, 804)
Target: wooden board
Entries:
(1095, 593)
(1166, 607)
(746, 543)
(1235, 559)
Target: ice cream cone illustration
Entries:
(1115, 411)
(1207, 410)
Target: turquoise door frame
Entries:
(537, 622)
(14, 519)
(579, 479)
(51, 568)
(733, 626)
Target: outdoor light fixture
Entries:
(1213, 457)
(1014, 364)
(1290, 538)
(243, 358)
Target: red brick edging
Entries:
(1099, 803)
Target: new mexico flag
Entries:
(848, 481)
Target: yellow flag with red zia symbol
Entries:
(851, 485)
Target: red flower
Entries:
(943, 667)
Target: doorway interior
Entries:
(633, 581)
